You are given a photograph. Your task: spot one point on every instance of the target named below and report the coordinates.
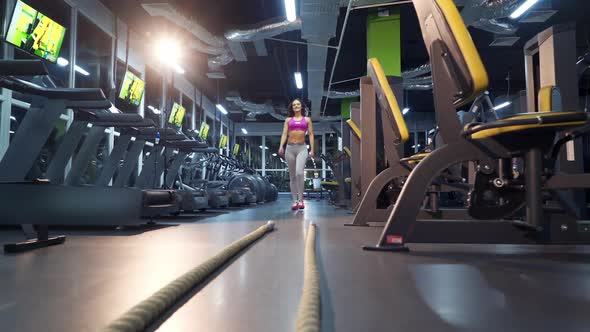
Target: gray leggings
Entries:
(296, 156)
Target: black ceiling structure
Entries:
(270, 78)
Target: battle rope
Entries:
(143, 314)
(308, 315)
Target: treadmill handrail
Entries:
(23, 68)
(74, 94)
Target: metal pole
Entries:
(337, 54)
(301, 43)
(323, 152)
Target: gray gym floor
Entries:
(100, 273)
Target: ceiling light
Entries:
(221, 108)
(503, 105)
(290, 10)
(405, 110)
(12, 118)
(179, 69)
(523, 8)
(244, 131)
(81, 70)
(62, 62)
(274, 154)
(298, 80)
(12, 132)
(155, 110)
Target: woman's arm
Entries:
(284, 137)
(311, 138)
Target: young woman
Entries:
(297, 125)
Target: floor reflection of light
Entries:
(459, 294)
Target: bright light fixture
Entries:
(522, 9)
(81, 70)
(155, 110)
(405, 110)
(503, 105)
(12, 131)
(168, 51)
(263, 147)
(179, 69)
(274, 154)
(244, 131)
(12, 118)
(290, 10)
(62, 62)
(221, 108)
(298, 80)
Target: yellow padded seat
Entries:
(330, 183)
(415, 159)
(527, 121)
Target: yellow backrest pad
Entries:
(471, 56)
(387, 100)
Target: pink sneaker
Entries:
(301, 206)
(295, 206)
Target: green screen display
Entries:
(177, 115)
(35, 33)
(132, 89)
(204, 132)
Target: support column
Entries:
(323, 152)
(263, 155)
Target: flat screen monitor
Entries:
(33, 32)
(132, 89)
(223, 142)
(204, 132)
(177, 115)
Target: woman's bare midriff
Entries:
(296, 137)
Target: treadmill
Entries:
(56, 203)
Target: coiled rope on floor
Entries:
(308, 315)
(143, 314)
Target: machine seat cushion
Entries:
(415, 159)
(330, 184)
(527, 122)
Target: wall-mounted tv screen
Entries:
(223, 142)
(132, 89)
(177, 115)
(35, 33)
(204, 132)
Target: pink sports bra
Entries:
(298, 124)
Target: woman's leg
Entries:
(301, 161)
(291, 157)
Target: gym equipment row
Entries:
(66, 198)
(534, 205)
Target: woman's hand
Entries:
(311, 154)
(281, 151)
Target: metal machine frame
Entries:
(403, 225)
